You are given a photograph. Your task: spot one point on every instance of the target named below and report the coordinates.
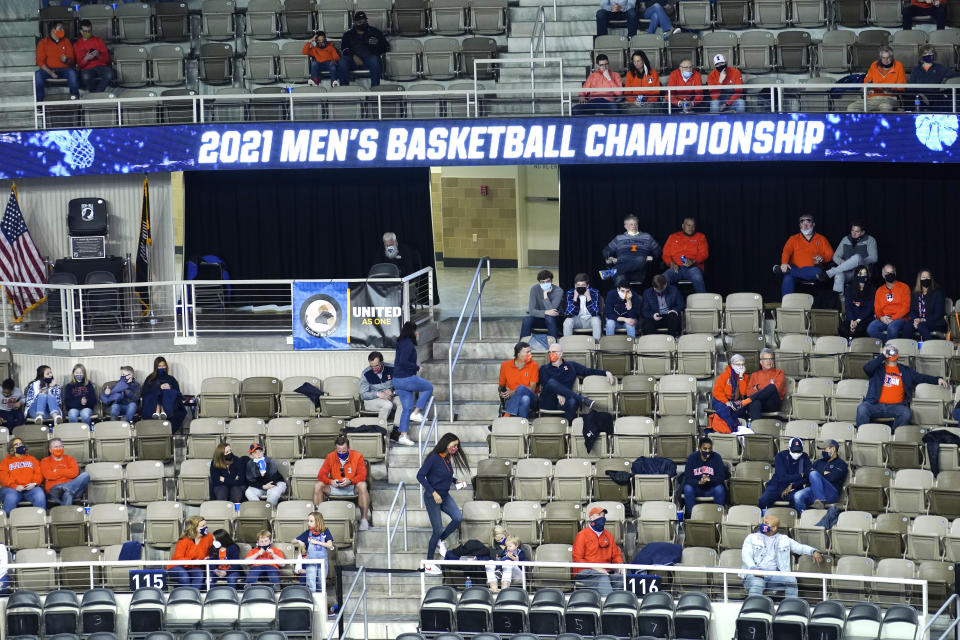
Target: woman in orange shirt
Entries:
(194, 544)
(641, 74)
(21, 478)
(730, 400)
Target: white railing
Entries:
(181, 309)
(461, 103)
(361, 601)
(944, 609)
(623, 571)
(394, 525)
(476, 286)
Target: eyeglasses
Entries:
(683, 68)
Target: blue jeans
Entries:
(186, 576)
(880, 331)
(347, 65)
(40, 81)
(97, 79)
(756, 584)
(44, 406)
(65, 492)
(693, 274)
(603, 20)
(127, 409)
(313, 572)
(232, 578)
(922, 332)
(691, 492)
(600, 581)
(11, 419)
(316, 68)
(807, 274)
(520, 403)
(868, 411)
(772, 493)
(738, 106)
(550, 323)
(819, 489)
(633, 268)
(434, 510)
(658, 18)
(11, 497)
(548, 399)
(267, 572)
(405, 388)
(613, 325)
(79, 415)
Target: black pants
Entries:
(230, 494)
(671, 321)
(766, 400)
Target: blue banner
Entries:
(902, 137)
(321, 315)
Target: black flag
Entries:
(143, 256)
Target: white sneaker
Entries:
(364, 525)
(442, 549)
(335, 83)
(405, 441)
(419, 417)
(38, 420)
(57, 419)
(432, 570)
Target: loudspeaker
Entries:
(87, 217)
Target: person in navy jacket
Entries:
(662, 307)
(407, 382)
(791, 472)
(858, 304)
(927, 308)
(557, 378)
(891, 388)
(583, 307)
(703, 476)
(620, 309)
(826, 480)
(436, 476)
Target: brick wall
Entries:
(492, 217)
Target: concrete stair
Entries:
(18, 31)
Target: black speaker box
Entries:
(87, 217)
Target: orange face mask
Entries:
(893, 358)
(554, 356)
(59, 33)
(57, 452)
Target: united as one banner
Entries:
(337, 315)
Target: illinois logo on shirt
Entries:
(889, 297)
(891, 380)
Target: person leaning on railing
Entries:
(884, 70)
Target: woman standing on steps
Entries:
(436, 476)
(407, 381)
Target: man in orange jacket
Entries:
(55, 59)
(725, 99)
(344, 473)
(885, 70)
(803, 256)
(63, 480)
(684, 253)
(685, 100)
(891, 304)
(596, 545)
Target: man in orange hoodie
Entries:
(600, 102)
(725, 99)
(595, 544)
(684, 253)
(20, 478)
(63, 479)
(891, 304)
(683, 100)
(803, 256)
(886, 70)
(323, 58)
(55, 59)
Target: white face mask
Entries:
(216, 544)
(739, 369)
(622, 294)
(796, 456)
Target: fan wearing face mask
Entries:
(543, 308)
(826, 480)
(791, 472)
(628, 253)
(161, 397)
(883, 71)
(927, 309)
(684, 99)
(583, 308)
(518, 381)
(929, 71)
(770, 550)
(703, 476)
(890, 388)
(731, 397)
(891, 304)
(858, 300)
(404, 256)
(56, 59)
(595, 545)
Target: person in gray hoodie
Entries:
(376, 388)
(856, 249)
(543, 310)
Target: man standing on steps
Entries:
(344, 474)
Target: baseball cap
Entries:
(596, 512)
(359, 15)
(255, 446)
(831, 443)
(796, 445)
(717, 59)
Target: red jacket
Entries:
(652, 79)
(733, 77)
(893, 302)
(693, 95)
(679, 244)
(187, 549)
(597, 80)
(81, 47)
(355, 470)
(587, 549)
(800, 252)
(763, 377)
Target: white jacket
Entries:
(753, 550)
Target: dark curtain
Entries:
(747, 211)
(323, 223)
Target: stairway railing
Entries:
(392, 528)
(476, 286)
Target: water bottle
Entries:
(468, 583)
(916, 102)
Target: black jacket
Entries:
(357, 44)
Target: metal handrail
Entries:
(400, 495)
(538, 40)
(361, 578)
(922, 632)
(476, 284)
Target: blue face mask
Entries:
(501, 541)
(79, 377)
(765, 528)
(546, 285)
(343, 456)
(161, 371)
(598, 524)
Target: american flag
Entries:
(19, 260)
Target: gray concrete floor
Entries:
(505, 295)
